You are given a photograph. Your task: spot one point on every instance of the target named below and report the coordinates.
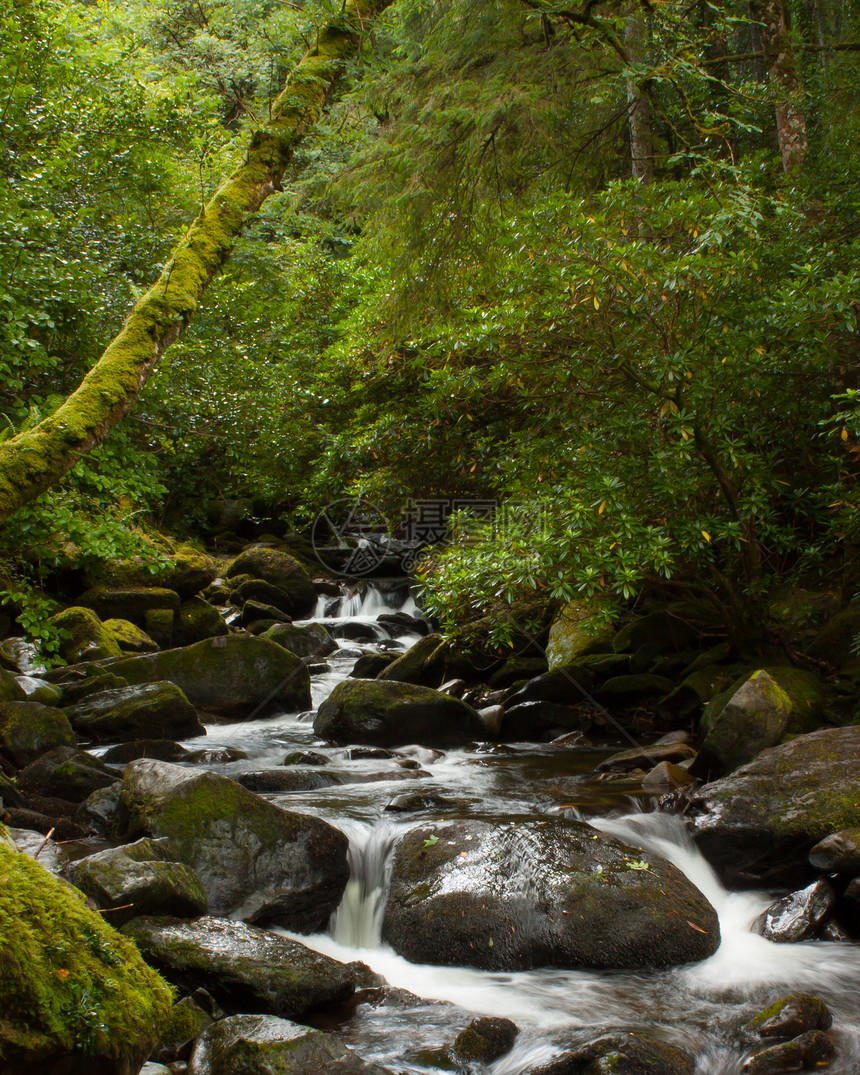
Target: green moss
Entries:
(69, 982)
(86, 637)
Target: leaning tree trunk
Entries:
(36, 459)
(781, 69)
(639, 103)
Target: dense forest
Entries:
(598, 264)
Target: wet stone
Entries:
(621, 1054)
(792, 1015)
(798, 916)
(485, 1040)
(812, 1050)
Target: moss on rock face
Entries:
(28, 729)
(281, 570)
(85, 637)
(68, 982)
(131, 638)
(10, 689)
(196, 621)
(580, 627)
(158, 710)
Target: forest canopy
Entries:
(598, 263)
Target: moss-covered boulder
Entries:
(243, 1044)
(159, 710)
(510, 896)
(762, 819)
(83, 636)
(130, 602)
(138, 879)
(485, 1040)
(28, 730)
(40, 690)
(10, 688)
(580, 627)
(279, 569)
(197, 620)
(96, 679)
(388, 713)
(65, 773)
(789, 1016)
(75, 996)
(256, 861)
(241, 965)
(131, 638)
(761, 713)
(310, 641)
(810, 1051)
(176, 566)
(422, 664)
(622, 1053)
(229, 677)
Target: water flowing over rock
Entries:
(388, 713)
(515, 895)
(241, 965)
(763, 818)
(621, 1054)
(251, 1044)
(256, 861)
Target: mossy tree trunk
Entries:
(782, 72)
(37, 458)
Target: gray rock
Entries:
(798, 916)
(310, 641)
(510, 896)
(156, 710)
(838, 853)
(622, 1054)
(814, 1049)
(28, 730)
(66, 773)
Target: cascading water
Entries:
(699, 1006)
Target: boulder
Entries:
(515, 895)
(790, 1016)
(182, 568)
(485, 1040)
(229, 677)
(96, 679)
(281, 570)
(256, 861)
(28, 730)
(160, 749)
(562, 685)
(762, 819)
(281, 781)
(838, 853)
(531, 721)
(666, 777)
(311, 641)
(369, 665)
(798, 916)
(159, 624)
(265, 599)
(40, 690)
(658, 632)
(423, 664)
(809, 1051)
(10, 688)
(258, 617)
(389, 713)
(197, 620)
(758, 715)
(580, 627)
(66, 773)
(630, 690)
(137, 879)
(621, 1053)
(100, 812)
(160, 710)
(241, 965)
(647, 757)
(131, 638)
(129, 602)
(84, 637)
(251, 1044)
(70, 983)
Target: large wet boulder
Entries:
(65, 773)
(768, 707)
(131, 638)
(159, 710)
(388, 713)
(241, 965)
(279, 569)
(75, 996)
(310, 641)
(838, 853)
(422, 664)
(790, 1016)
(138, 879)
(579, 628)
(256, 861)
(761, 820)
(621, 1053)
(83, 637)
(230, 676)
(253, 1044)
(521, 894)
(28, 730)
(485, 1039)
(810, 1051)
(797, 916)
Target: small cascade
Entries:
(357, 922)
(367, 602)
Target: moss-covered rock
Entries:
(158, 624)
(129, 603)
(241, 965)
(138, 879)
(510, 896)
(580, 627)
(834, 643)
(197, 620)
(185, 1022)
(371, 664)
(72, 990)
(10, 689)
(40, 690)
(279, 569)
(632, 689)
(789, 1016)
(65, 773)
(229, 676)
(310, 641)
(180, 567)
(630, 1053)
(96, 680)
(838, 853)
(131, 638)
(28, 730)
(160, 710)
(84, 637)
(256, 861)
(485, 1040)
(256, 1043)
(763, 818)
(810, 1051)
(388, 713)
(422, 664)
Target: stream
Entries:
(699, 1006)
